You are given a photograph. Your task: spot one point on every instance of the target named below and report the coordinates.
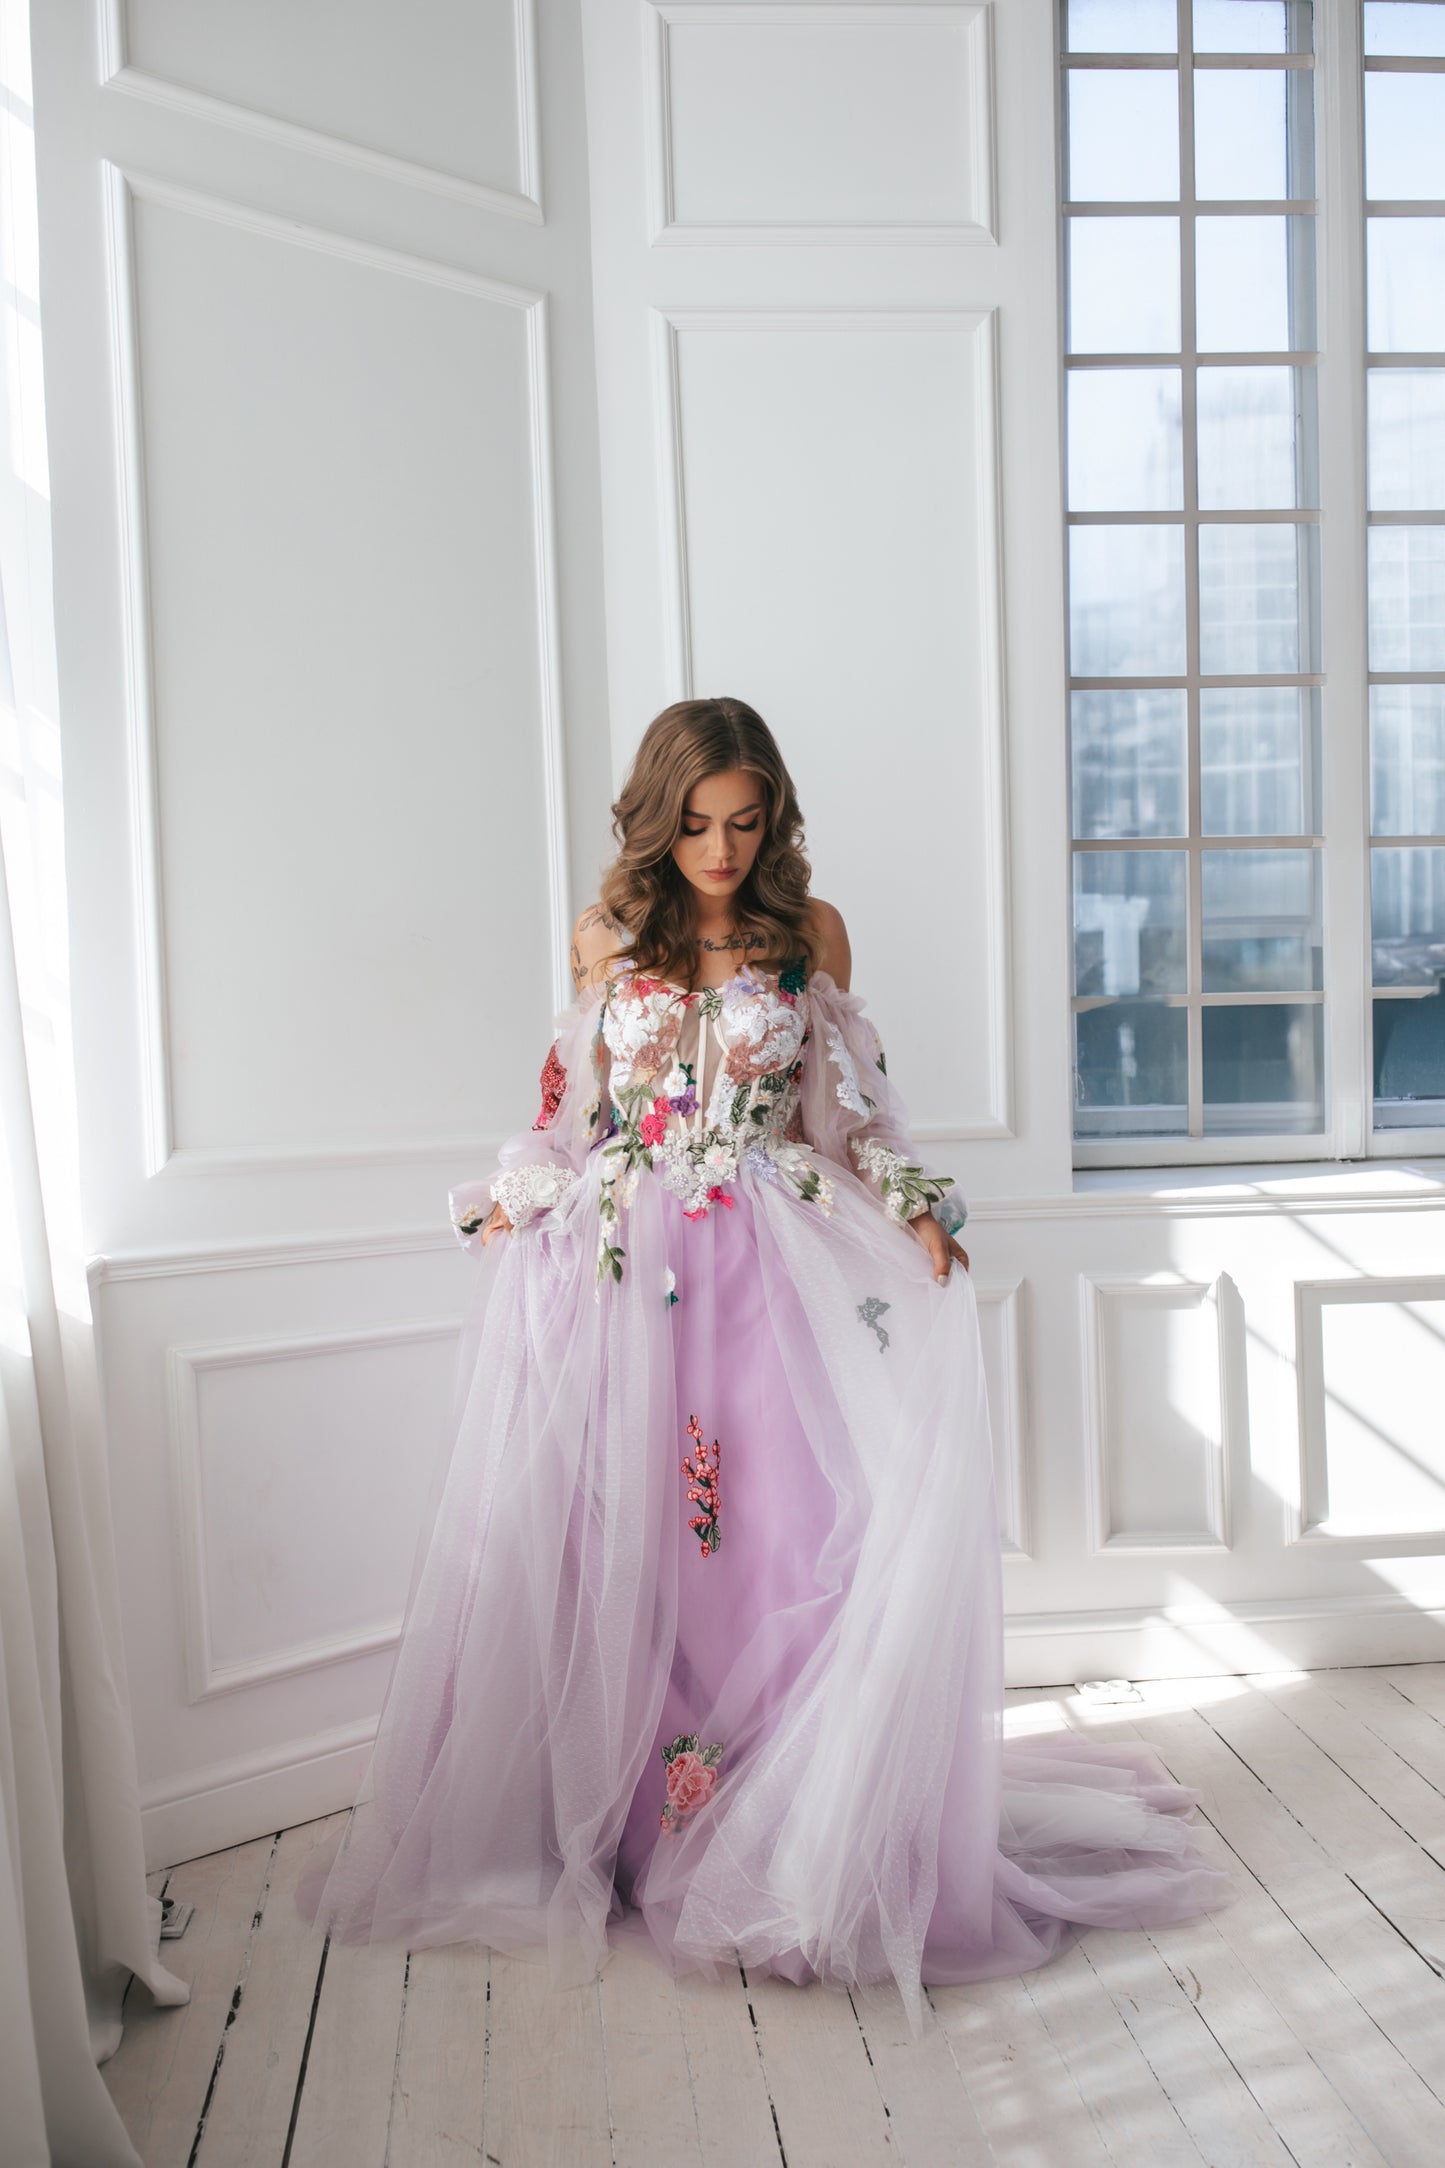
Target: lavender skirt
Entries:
(774, 1738)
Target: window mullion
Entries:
(1344, 752)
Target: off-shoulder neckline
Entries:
(625, 963)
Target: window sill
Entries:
(1344, 1182)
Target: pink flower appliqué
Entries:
(716, 1195)
(691, 1775)
(554, 1083)
(653, 1127)
(701, 1469)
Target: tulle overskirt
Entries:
(837, 1658)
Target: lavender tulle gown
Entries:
(747, 1708)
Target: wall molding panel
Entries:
(1370, 1479)
(524, 202)
(1131, 1432)
(979, 328)
(123, 190)
(1001, 1317)
(969, 220)
(207, 1676)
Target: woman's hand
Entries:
(497, 1224)
(941, 1248)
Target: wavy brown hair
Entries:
(643, 888)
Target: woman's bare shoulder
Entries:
(837, 957)
(596, 938)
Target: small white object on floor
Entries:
(1107, 1690)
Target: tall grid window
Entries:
(1191, 420)
(1404, 157)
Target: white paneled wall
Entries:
(381, 344)
(323, 423)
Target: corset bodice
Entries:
(714, 1054)
(698, 1079)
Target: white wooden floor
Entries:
(1304, 2023)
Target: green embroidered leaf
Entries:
(712, 1755)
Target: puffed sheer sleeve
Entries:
(536, 1168)
(852, 1114)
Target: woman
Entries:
(704, 1635)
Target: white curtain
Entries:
(75, 1918)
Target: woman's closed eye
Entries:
(744, 828)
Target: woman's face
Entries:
(722, 829)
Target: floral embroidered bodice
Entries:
(696, 1081)
(725, 1058)
(696, 1086)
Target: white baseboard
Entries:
(232, 1802)
(1185, 1641)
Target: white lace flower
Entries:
(719, 1159)
(850, 1092)
(524, 1191)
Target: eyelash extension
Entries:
(744, 828)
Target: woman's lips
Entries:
(714, 875)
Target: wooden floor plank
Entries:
(437, 2111)
(546, 2094)
(160, 2074)
(1320, 1954)
(729, 2085)
(1361, 1839)
(649, 2078)
(1119, 2089)
(249, 2115)
(931, 2119)
(350, 2068)
(1021, 2089)
(1196, 2076)
(823, 2089)
(1359, 1751)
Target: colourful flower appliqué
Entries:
(716, 1195)
(691, 1775)
(701, 1469)
(669, 1286)
(792, 979)
(554, 1083)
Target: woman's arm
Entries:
(853, 1113)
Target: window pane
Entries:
(1126, 601)
(1131, 1074)
(1263, 1069)
(1239, 133)
(1261, 922)
(1243, 284)
(1407, 439)
(1249, 599)
(1126, 444)
(1122, 26)
(1123, 285)
(1407, 760)
(1129, 752)
(1404, 137)
(1258, 760)
(1247, 421)
(1123, 135)
(1407, 913)
(1410, 1063)
(1239, 26)
(1409, 27)
(1129, 922)
(1405, 297)
(1407, 598)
